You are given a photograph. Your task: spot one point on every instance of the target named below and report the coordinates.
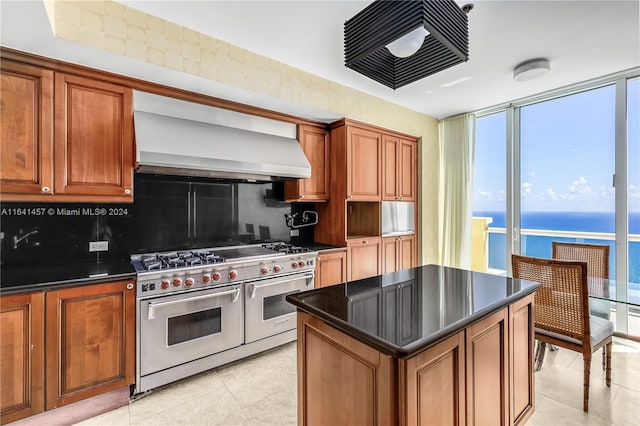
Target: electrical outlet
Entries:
(294, 233)
(98, 246)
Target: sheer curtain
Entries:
(455, 200)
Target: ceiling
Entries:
(582, 39)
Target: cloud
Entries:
(527, 187)
(551, 194)
(580, 187)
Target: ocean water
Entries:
(540, 246)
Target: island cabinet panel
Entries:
(26, 137)
(331, 268)
(93, 138)
(363, 164)
(440, 367)
(90, 341)
(21, 356)
(315, 144)
(341, 380)
(363, 258)
(521, 370)
(487, 371)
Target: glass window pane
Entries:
(193, 326)
(567, 165)
(488, 250)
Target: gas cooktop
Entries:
(188, 258)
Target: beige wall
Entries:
(118, 29)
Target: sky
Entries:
(567, 154)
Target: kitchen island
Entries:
(428, 345)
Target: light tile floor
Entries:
(261, 390)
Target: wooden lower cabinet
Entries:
(21, 356)
(441, 367)
(521, 371)
(341, 381)
(363, 258)
(480, 375)
(487, 371)
(90, 341)
(398, 252)
(331, 268)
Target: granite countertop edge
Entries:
(419, 345)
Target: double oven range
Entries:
(199, 309)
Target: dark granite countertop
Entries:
(39, 277)
(405, 312)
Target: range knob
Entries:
(233, 274)
(294, 265)
(264, 270)
(206, 278)
(176, 282)
(277, 268)
(189, 282)
(164, 284)
(216, 276)
(302, 264)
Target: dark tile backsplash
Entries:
(168, 213)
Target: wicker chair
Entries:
(597, 258)
(562, 311)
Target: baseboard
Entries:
(79, 411)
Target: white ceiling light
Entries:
(533, 68)
(408, 44)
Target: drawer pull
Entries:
(46, 189)
(130, 286)
(127, 191)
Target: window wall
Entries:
(565, 166)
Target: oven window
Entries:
(194, 325)
(275, 306)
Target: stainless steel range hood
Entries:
(182, 138)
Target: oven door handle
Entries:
(154, 306)
(254, 287)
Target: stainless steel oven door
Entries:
(266, 311)
(183, 327)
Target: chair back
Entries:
(596, 256)
(562, 301)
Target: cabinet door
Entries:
(331, 269)
(486, 353)
(521, 341)
(389, 168)
(90, 341)
(363, 258)
(407, 173)
(26, 138)
(436, 384)
(93, 138)
(363, 164)
(389, 254)
(21, 356)
(315, 144)
(407, 251)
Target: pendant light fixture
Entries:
(398, 42)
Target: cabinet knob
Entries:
(400, 198)
(46, 189)
(127, 191)
(301, 195)
(365, 242)
(318, 258)
(130, 286)
(349, 196)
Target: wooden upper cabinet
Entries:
(90, 341)
(93, 138)
(26, 138)
(21, 356)
(399, 174)
(315, 144)
(364, 152)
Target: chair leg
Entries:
(608, 369)
(539, 358)
(587, 372)
(604, 358)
